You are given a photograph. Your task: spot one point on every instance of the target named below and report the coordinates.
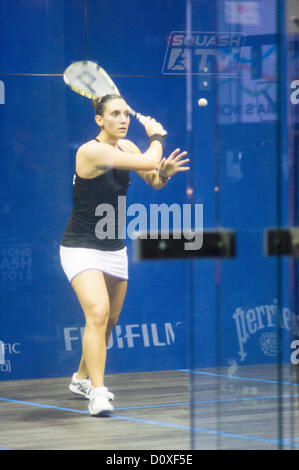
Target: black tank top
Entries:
(98, 215)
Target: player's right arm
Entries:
(106, 156)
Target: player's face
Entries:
(116, 118)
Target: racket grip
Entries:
(141, 118)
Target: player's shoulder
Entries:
(128, 146)
(88, 147)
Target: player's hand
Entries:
(153, 127)
(173, 164)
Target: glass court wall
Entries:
(43, 124)
(243, 61)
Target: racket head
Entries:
(88, 79)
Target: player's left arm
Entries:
(157, 179)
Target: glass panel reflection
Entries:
(244, 398)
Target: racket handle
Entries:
(141, 118)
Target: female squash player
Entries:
(97, 266)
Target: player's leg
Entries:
(91, 290)
(117, 289)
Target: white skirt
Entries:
(77, 260)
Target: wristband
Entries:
(164, 179)
(158, 137)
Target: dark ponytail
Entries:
(99, 103)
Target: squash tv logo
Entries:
(207, 53)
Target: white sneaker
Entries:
(83, 387)
(99, 403)
(80, 387)
(110, 395)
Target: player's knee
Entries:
(97, 315)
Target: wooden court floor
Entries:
(253, 409)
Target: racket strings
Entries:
(90, 81)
